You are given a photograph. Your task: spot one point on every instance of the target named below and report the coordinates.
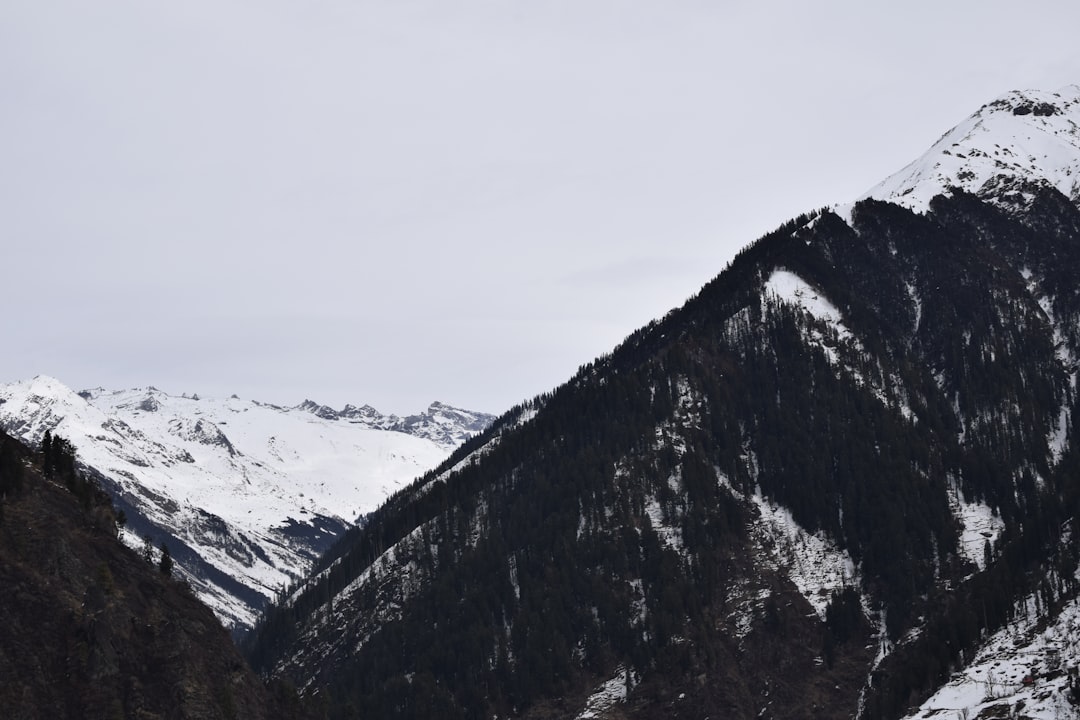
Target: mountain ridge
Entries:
(886, 387)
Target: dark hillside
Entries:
(619, 527)
(91, 629)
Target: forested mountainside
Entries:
(247, 494)
(92, 629)
(813, 490)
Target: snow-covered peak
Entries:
(324, 411)
(1022, 139)
(366, 414)
(30, 407)
(443, 424)
(44, 384)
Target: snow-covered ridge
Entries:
(1021, 139)
(443, 424)
(245, 493)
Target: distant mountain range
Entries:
(246, 494)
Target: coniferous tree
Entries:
(11, 470)
(148, 549)
(46, 451)
(165, 565)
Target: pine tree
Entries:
(166, 563)
(46, 451)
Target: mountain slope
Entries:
(91, 630)
(246, 494)
(809, 491)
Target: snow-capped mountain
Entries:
(442, 424)
(246, 494)
(841, 478)
(1021, 140)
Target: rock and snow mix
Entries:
(1022, 137)
(979, 526)
(793, 290)
(816, 565)
(1021, 671)
(607, 695)
(813, 561)
(393, 577)
(254, 490)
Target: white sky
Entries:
(397, 201)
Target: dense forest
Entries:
(609, 526)
(93, 630)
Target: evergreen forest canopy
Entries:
(610, 525)
(92, 630)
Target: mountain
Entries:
(90, 629)
(835, 482)
(442, 424)
(1017, 142)
(246, 494)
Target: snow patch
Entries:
(793, 290)
(611, 692)
(979, 525)
(1057, 438)
(1021, 669)
(815, 564)
(917, 302)
(670, 535)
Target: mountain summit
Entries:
(442, 424)
(815, 490)
(1011, 146)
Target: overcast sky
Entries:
(398, 201)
